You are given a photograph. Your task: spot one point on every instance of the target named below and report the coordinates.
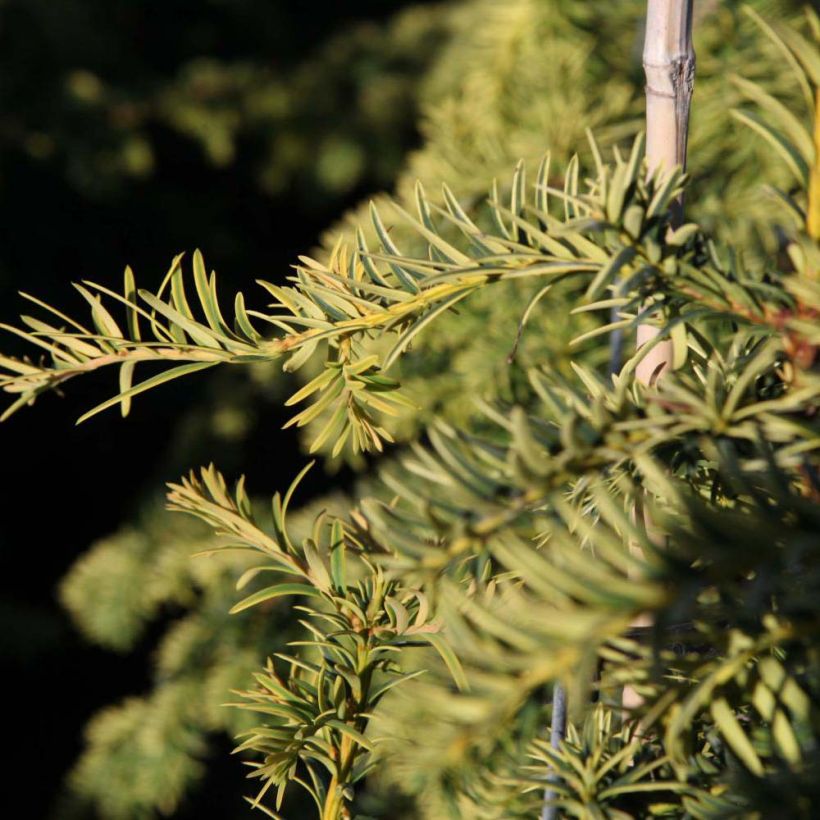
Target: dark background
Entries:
(71, 208)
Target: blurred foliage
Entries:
(494, 83)
(320, 124)
(113, 592)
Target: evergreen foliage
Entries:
(493, 556)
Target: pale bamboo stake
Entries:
(669, 66)
(813, 210)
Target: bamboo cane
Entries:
(813, 210)
(669, 67)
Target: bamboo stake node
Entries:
(669, 67)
